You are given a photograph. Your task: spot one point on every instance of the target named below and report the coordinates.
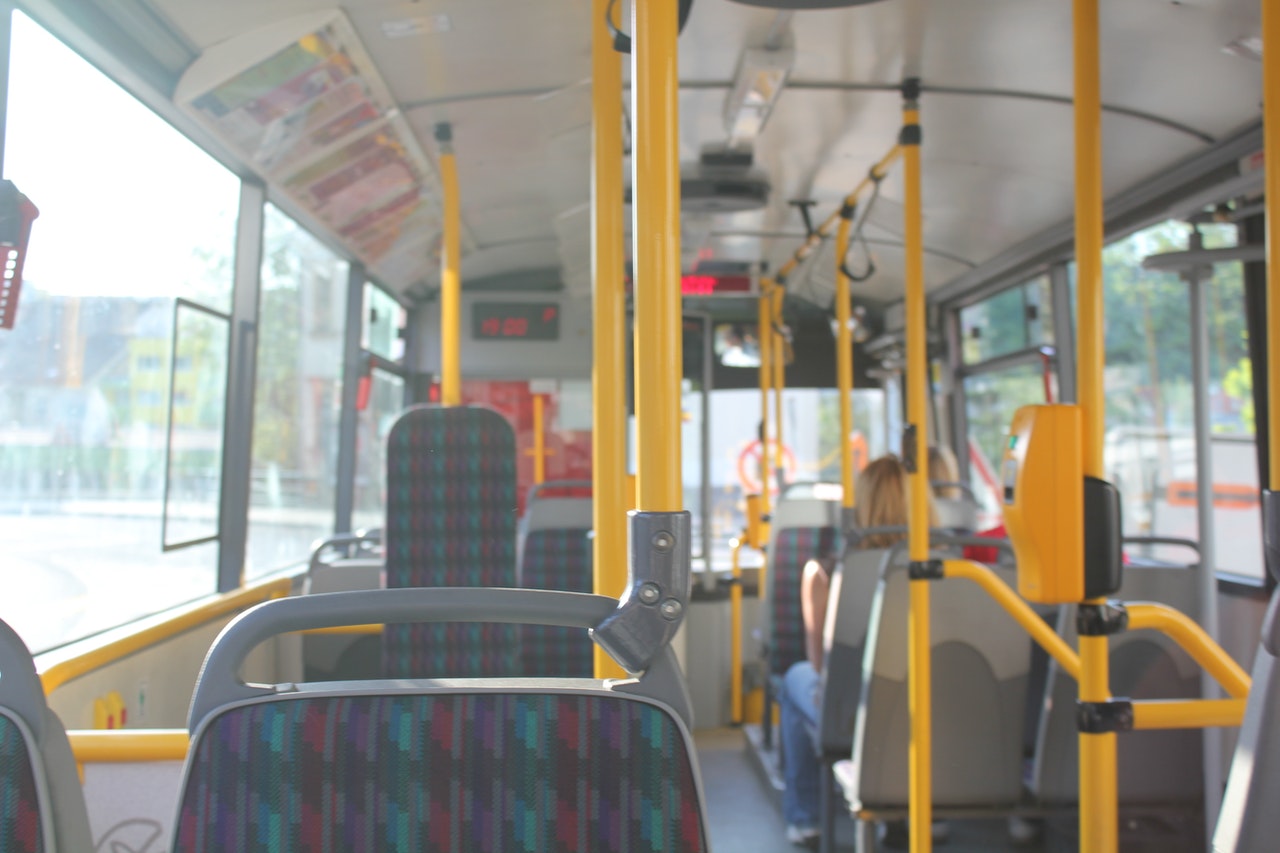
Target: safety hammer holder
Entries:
(659, 577)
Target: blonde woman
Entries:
(943, 468)
(882, 502)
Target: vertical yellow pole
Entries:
(844, 363)
(656, 253)
(611, 488)
(450, 274)
(539, 441)
(1098, 807)
(779, 380)
(735, 636)
(764, 330)
(1271, 139)
(918, 645)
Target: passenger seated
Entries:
(943, 468)
(882, 502)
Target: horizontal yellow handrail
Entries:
(1187, 713)
(128, 745)
(1194, 641)
(1018, 609)
(823, 231)
(66, 670)
(345, 629)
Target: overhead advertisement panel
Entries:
(301, 102)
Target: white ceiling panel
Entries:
(512, 78)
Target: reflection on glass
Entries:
(736, 345)
(386, 402)
(995, 326)
(129, 220)
(990, 401)
(297, 399)
(383, 320)
(197, 410)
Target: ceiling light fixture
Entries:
(762, 73)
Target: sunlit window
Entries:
(132, 216)
(298, 396)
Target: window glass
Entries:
(994, 326)
(811, 449)
(383, 321)
(1012, 320)
(297, 395)
(127, 223)
(990, 401)
(386, 402)
(197, 418)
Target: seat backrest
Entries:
(41, 807)
(959, 514)
(1154, 767)
(1249, 819)
(480, 765)
(980, 664)
(801, 529)
(556, 559)
(451, 521)
(853, 589)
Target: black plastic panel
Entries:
(1103, 552)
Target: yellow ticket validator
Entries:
(1042, 483)
(757, 527)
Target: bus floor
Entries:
(745, 816)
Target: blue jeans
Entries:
(798, 702)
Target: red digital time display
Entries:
(515, 321)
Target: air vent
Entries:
(721, 191)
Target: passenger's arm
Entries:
(814, 588)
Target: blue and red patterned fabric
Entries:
(442, 773)
(792, 548)
(20, 830)
(557, 559)
(451, 521)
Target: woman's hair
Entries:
(944, 469)
(882, 501)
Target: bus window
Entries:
(298, 394)
(1012, 320)
(132, 215)
(990, 399)
(386, 402)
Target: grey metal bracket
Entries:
(659, 577)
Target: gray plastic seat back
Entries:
(802, 528)
(573, 764)
(980, 666)
(853, 589)
(37, 770)
(1154, 767)
(959, 514)
(1250, 819)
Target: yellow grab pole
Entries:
(656, 253)
(735, 635)
(919, 688)
(450, 273)
(1193, 640)
(779, 380)
(765, 334)
(1098, 805)
(1271, 139)
(539, 441)
(611, 489)
(844, 362)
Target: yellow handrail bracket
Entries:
(70, 668)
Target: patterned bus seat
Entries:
(451, 521)
(555, 553)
